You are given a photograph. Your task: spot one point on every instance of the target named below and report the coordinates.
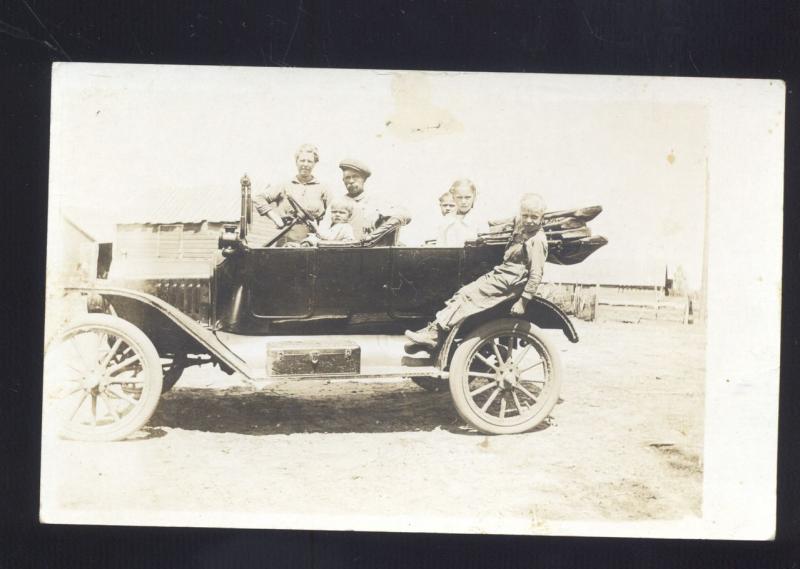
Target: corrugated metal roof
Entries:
(182, 205)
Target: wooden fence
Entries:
(623, 303)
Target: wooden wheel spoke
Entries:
(68, 379)
(490, 400)
(502, 407)
(102, 337)
(110, 354)
(484, 360)
(538, 381)
(109, 407)
(525, 391)
(124, 396)
(78, 406)
(74, 345)
(123, 364)
(82, 372)
(521, 356)
(94, 409)
(482, 388)
(530, 367)
(484, 375)
(517, 404)
(500, 359)
(55, 392)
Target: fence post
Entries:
(575, 301)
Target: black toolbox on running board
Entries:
(313, 357)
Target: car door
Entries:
(479, 260)
(372, 284)
(338, 276)
(422, 278)
(279, 282)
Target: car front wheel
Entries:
(505, 377)
(102, 379)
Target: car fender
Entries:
(539, 311)
(159, 320)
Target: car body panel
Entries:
(261, 291)
(421, 279)
(279, 283)
(136, 311)
(372, 287)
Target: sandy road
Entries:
(625, 443)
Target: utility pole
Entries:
(704, 279)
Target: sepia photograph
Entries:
(412, 301)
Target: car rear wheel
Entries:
(505, 377)
(102, 379)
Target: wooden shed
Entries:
(77, 243)
(175, 236)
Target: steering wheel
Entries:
(302, 214)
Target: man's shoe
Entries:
(428, 337)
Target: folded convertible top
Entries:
(569, 239)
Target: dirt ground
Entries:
(625, 443)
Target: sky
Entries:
(123, 135)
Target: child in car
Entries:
(518, 276)
(447, 204)
(462, 223)
(338, 228)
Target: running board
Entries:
(372, 374)
(329, 357)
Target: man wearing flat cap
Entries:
(368, 211)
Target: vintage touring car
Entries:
(336, 310)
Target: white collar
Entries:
(312, 180)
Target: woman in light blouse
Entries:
(309, 192)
